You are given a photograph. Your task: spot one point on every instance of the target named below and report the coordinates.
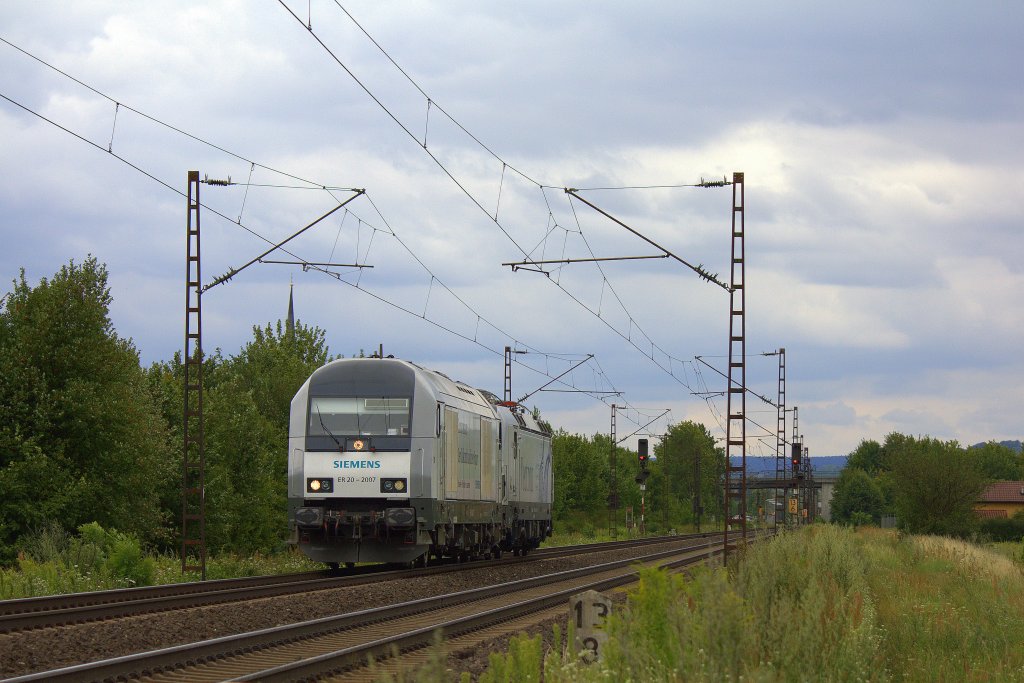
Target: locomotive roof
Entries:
(397, 377)
(387, 377)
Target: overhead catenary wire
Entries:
(154, 119)
(746, 389)
(311, 184)
(235, 271)
(113, 127)
(432, 103)
(699, 269)
(308, 184)
(308, 265)
(645, 426)
(428, 98)
(128, 163)
(703, 183)
(405, 128)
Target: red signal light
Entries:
(641, 452)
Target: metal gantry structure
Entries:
(613, 485)
(797, 450)
(193, 489)
(736, 390)
(778, 511)
(508, 375)
(734, 484)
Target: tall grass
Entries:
(53, 561)
(822, 604)
(796, 609)
(589, 533)
(952, 611)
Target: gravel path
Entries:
(51, 648)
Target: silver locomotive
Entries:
(390, 462)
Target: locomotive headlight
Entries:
(394, 485)
(320, 485)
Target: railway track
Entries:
(334, 645)
(63, 610)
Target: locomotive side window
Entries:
(339, 416)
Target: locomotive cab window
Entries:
(361, 416)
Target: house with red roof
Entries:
(1000, 499)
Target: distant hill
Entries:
(825, 464)
(829, 464)
(1012, 445)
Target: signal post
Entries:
(641, 478)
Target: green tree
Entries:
(580, 476)
(81, 439)
(246, 472)
(936, 486)
(247, 431)
(275, 363)
(998, 462)
(246, 412)
(582, 481)
(686, 463)
(856, 492)
(869, 456)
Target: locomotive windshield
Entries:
(334, 416)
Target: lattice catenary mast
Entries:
(193, 488)
(736, 393)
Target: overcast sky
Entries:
(881, 145)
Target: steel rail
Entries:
(62, 610)
(172, 659)
(65, 600)
(334, 663)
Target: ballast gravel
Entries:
(52, 648)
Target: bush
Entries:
(860, 518)
(126, 563)
(1004, 529)
(47, 543)
(52, 561)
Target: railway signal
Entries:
(642, 455)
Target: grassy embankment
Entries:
(824, 604)
(54, 561)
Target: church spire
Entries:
(290, 328)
